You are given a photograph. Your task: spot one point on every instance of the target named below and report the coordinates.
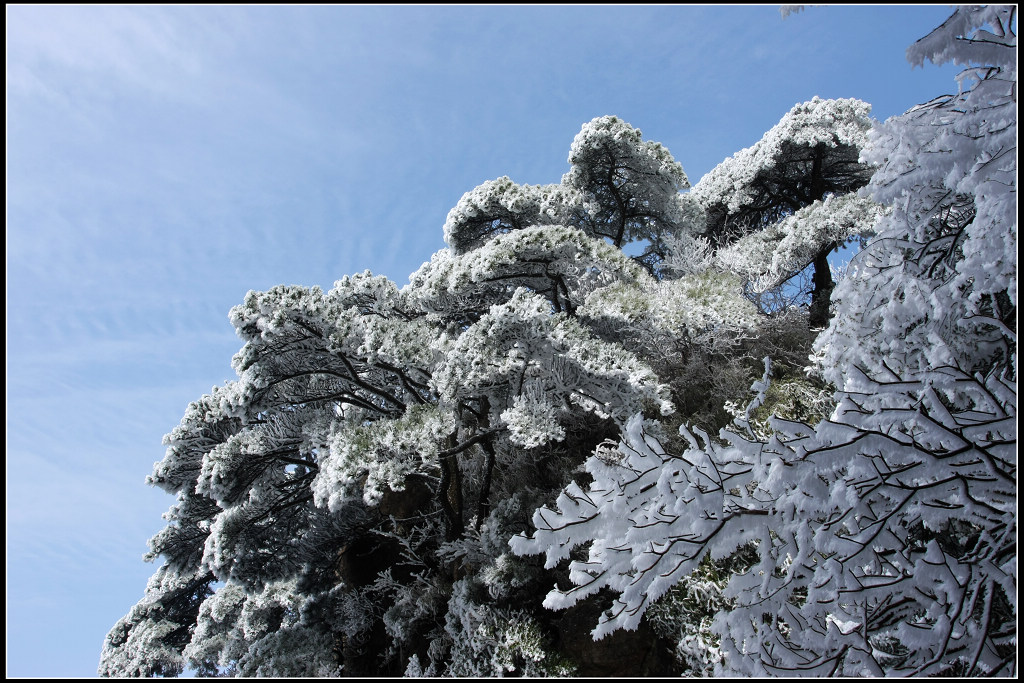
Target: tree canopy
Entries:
(790, 199)
(586, 395)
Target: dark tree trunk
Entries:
(821, 295)
(484, 504)
(450, 492)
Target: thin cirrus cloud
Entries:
(137, 48)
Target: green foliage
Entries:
(792, 395)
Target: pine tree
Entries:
(881, 540)
(369, 495)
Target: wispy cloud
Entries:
(139, 46)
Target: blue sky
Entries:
(162, 161)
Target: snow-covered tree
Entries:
(882, 540)
(368, 496)
(787, 202)
(374, 421)
(946, 255)
(500, 206)
(635, 185)
(620, 188)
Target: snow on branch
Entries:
(885, 536)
